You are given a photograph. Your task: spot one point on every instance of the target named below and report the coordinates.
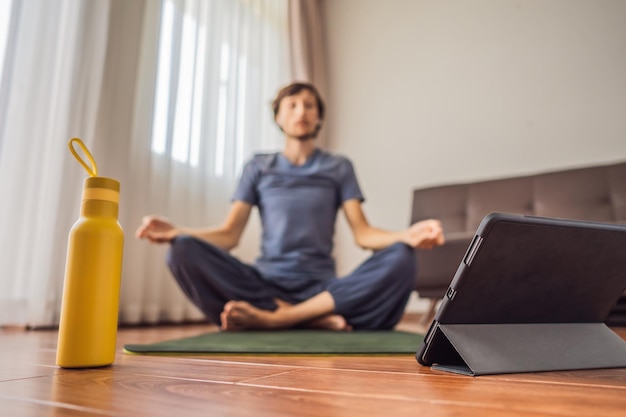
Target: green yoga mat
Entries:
(293, 342)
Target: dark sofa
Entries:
(596, 193)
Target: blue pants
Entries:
(372, 297)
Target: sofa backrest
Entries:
(594, 193)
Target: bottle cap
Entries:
(101, 188)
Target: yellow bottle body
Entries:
(91, 291)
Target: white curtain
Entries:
(171, 96)
(216, 66)
(51, 62)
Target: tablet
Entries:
(527, 288)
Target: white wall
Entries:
(426, 92)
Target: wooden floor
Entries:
(214, 386)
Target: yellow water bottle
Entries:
(91, 289)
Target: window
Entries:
(5, 17)
(6, 9)
(219, 63)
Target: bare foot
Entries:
(330, 322)
(241, 315)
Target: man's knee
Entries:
(402, 256)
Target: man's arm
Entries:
(424, 235)
(160, 230)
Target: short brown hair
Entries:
(293, 89)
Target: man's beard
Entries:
(306, 137)
(311, 135)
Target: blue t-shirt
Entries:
(298, 206)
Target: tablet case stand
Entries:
(483, 349)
